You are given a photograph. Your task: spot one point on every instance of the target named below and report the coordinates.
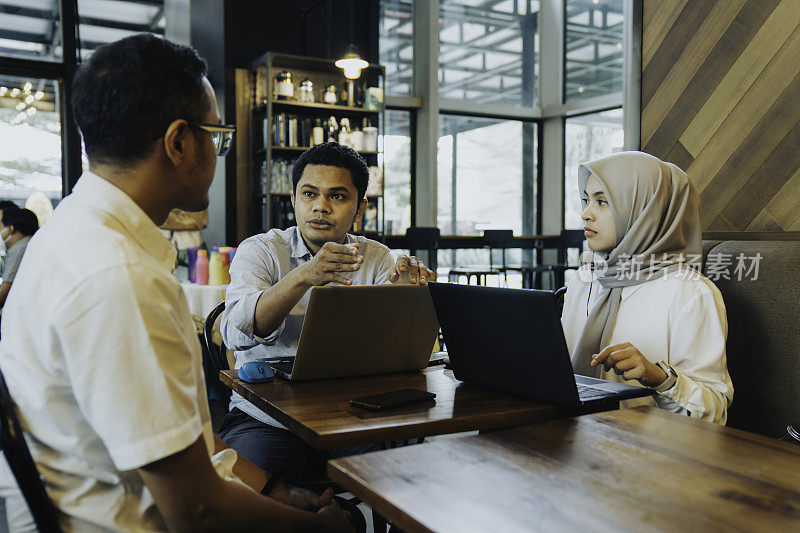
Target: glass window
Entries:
(396, 47)
(488, 51)
(30, 29)
(593, 50)
(30, 144)
(481, 165)
(397, 170)
(106, 21)
(586, 137)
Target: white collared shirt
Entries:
(679, 319)
(102, 359)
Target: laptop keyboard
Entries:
(588, 393)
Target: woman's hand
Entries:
(626, 360)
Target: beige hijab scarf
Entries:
(656, 214)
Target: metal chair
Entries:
(22, 466)
(215, 361)
(569, 238)
(424, 238)
(495, 239)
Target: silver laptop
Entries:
(360, 330)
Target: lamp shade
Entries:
(351, 63)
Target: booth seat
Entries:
(763, 331)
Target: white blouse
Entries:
(679, 319)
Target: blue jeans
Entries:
(278, 450)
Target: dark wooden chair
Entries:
(22, 466)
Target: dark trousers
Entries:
(278, 450)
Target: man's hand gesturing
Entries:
(328, 261)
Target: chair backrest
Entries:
(217, 358)
(424, 238)
(763, 336)
(498, 238)
(572, 238)
(22, 466)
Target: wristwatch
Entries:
(672, 377)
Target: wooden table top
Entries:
(635, 470)
(319, 411)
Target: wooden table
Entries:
(637, 470)
(319, 411)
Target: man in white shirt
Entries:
(98, 348)
(271, 274)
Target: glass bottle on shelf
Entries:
(330, 95)
(284, 89)
(306, 91)
(333, 127)
(344, 132)
(318, 135)
(274, 183)
(264, 179)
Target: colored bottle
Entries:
(201, 268)
(216, 271)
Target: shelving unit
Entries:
(271, 161)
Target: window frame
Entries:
(549, 111)
(62, 72)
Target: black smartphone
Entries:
(392, 399)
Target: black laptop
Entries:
(512, 340)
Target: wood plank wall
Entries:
(721, 99)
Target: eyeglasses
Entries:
(221, 135)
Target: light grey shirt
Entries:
(13, 259)
(260, 262)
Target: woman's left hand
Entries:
(626, 360)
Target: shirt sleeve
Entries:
(384, 268)
(252, 272)
(697, 354)
(131, 346)
(11, 264)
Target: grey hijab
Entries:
(656, 213)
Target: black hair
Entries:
(7, 205)
(23, 220)
(334, 155)
(131, 90)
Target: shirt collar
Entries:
(107, 197)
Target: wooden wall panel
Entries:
(721, 99)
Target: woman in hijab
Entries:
(640, 311)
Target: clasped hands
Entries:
(332, 259)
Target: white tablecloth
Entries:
(202, 299)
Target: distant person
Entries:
(17, 226)
(41, 205)
(98, 348)
(641, 312)
(5, 205)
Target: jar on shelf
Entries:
(330, 95)
(306, 91)
(284, 90)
